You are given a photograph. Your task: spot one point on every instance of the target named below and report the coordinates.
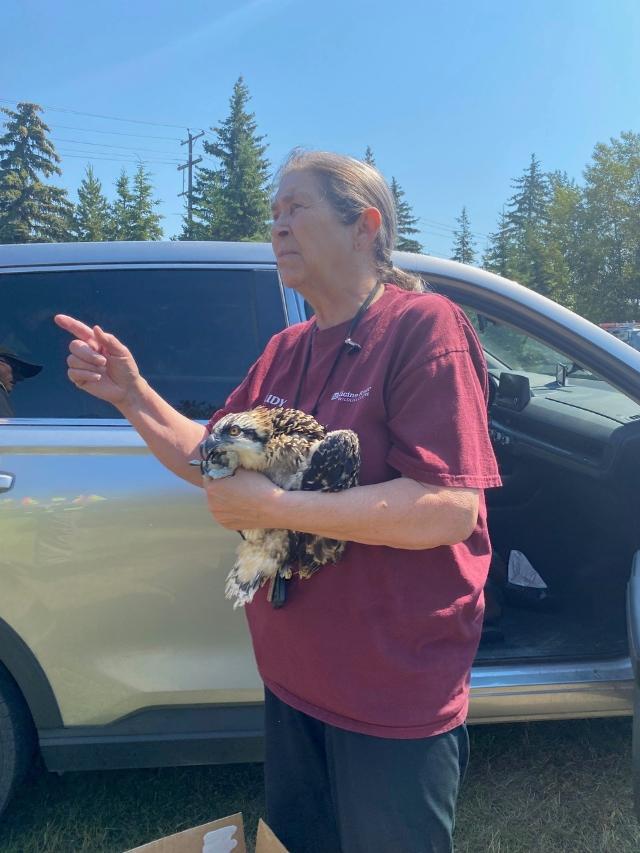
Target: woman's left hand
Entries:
(242, 502)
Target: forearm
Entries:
(171, 437)
(400, 514)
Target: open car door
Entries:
(633, 625)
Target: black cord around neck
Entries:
(353, 347)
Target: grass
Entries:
(562, 787)
(530, 788)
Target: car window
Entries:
(508, 348)
(514, 349)
(194, 333)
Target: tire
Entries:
(17, 737)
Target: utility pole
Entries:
(190, 166)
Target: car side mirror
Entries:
(514, 391)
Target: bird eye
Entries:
(234, 430)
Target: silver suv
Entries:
(118, 647)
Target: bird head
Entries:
(244, 434)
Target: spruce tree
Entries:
(406, 221)
(527, 220)
(498, 254)
(91, 217)
(464, 244)
(145, 224)
(207, 207)
(369, 158)
(231, 202)
(528, 204)
(121, 211)
(30, 211)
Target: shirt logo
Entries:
(350, 396)
(272, 400)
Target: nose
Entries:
(280, 227)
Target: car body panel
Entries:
(555, 691)
(95, 579)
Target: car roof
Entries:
(126, 252)
(21, 255)
(33, 255)
(176, 251)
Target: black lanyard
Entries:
(277, 593)
(348, 342)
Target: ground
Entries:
(531, 788)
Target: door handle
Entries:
(6, 481)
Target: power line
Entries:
(441, 232)
(430, 234)
(91, 156)
(130, 156)
(447, 231)
(117, 133)
(97, 115)
(133, 148)
(432, 222)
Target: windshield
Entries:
(510, 349)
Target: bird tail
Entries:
(242, 591)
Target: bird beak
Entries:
(208, 446)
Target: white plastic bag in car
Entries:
(522, 573)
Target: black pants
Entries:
(333, 791)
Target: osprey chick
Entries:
(295, 452)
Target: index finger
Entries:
(75, 327)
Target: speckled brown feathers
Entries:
(295, 452)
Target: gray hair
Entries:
(350, 186)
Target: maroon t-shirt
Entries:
(382, 642)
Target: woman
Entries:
(366, 666)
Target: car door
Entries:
(567, 689)
(113, 572)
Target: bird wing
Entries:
(333, 467)
(335, 464)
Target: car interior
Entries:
(568, 446)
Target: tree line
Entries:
(576, 243)
(230, 199)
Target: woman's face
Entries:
(309, 241)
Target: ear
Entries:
(367, 227)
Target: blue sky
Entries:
(453, 97)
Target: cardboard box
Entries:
(220, 836)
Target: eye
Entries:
(234, 430)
